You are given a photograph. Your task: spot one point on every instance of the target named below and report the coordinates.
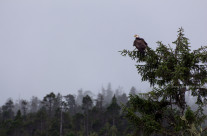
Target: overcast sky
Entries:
(65, 45)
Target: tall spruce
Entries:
(172, 72)
(113, 110)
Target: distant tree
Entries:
(79, 97)
(34, 104)
(17, 124)
(70, 102)
(78, 122)
(113, 109)
(103, 93)
(97, 114)
(57, 102)
(99, 101)
(118, 91)
(88, 92)
(122, 99)
(24, 107)
(96, 119)
(87, 104)
(48, 102)
(41, 121)
(58, 106)
(109, 93)
(7, 110)
(172, 73)
(133, 91)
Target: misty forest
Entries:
(70, 115)
(174, 106)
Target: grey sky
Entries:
(65, 45)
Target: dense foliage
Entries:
(70, 115)
(172, 72)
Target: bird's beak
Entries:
(136, 36)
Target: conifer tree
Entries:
(87, 105)
(172, 72)
(113, 109)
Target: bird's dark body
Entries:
(140, 44)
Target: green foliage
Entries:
(148, 115)
(190, 116)
(172, 72)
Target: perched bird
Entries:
(140, 44)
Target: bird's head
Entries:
(136, 36)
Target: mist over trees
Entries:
(83, 113)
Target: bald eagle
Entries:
(140, 44)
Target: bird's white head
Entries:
(136, 36)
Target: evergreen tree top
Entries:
(172, 72)
(166, 65)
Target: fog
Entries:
(63, 46)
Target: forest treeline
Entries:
(69, 115)
(81, 114)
